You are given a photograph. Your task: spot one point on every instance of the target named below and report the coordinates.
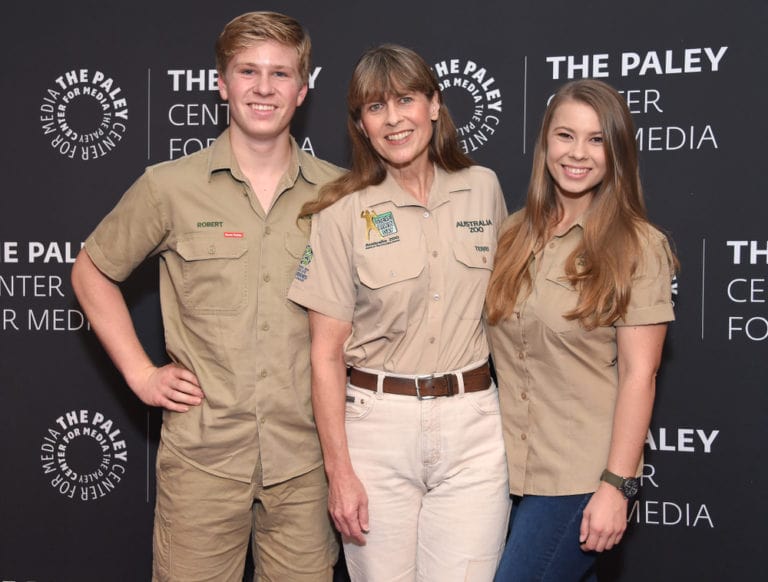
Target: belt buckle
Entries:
(416, 381)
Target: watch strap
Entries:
(627, 486)
(612, 479)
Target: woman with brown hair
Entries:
(578, 307)
(395, 276)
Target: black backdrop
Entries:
(95, 91)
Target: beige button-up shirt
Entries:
(558, 382)
(410, 278)
(225, 268)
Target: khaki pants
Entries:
(203, 524)
(436, 477)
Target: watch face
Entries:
(630, 487)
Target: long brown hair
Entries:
(602, 265)
(381, 72)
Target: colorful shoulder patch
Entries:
(303, 269)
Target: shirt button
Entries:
(262, 421)
(212, 250)
(431, 340)
(524, 396)
(426, 214)
(436, 297)
(267, 277)
(268, 230)
(265, 326)
(521, 355)
(434, 253)
(485, 259)
(263, 373)
(523, 437)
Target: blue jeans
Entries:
(543, 543)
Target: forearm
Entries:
(347, 500)
(328, 401)
(631, 419)
(604, 519)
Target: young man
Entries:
(239, 457)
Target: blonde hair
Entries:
(246, 29)
(602, 265)
(384, 71)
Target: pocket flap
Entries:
(476, 256)
(197, 248)
(377, 275)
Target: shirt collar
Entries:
(444, 184)
(578, 222)
(222, 158)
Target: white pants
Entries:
(436, 477)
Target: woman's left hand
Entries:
(604, 519)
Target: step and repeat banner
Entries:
(95, 91)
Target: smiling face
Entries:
(263, 87)
(575, 152)
(400, 127)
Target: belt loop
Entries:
(460, 377)
(380, 386)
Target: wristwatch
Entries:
(629, 486)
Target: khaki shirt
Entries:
(225, 268)
(410, 278)
(557, 382)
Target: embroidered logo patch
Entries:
(385, 224)
(302, 271)
(382, 224)
(306, 258)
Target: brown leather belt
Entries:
(425, 387)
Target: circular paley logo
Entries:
(473, 98)
(83, 114)
(83, 455)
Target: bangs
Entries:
(380, 76)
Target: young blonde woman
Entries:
(578, 307)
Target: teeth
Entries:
(399, 136)
(259, 107)
(577, 171)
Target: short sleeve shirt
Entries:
(225, 268)
(558, 382)
(410, 278)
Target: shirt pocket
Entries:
(556, 297)
(475, 264)
(392, 290)
(214, 273)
